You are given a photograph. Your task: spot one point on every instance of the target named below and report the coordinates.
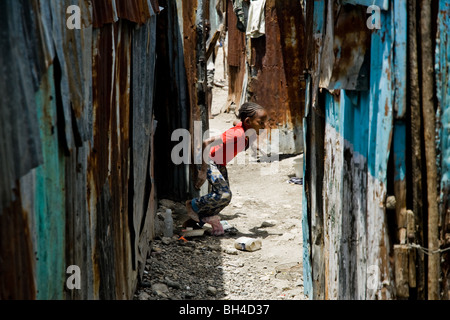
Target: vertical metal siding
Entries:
(76, 189)
(276, 65)
(366, 160)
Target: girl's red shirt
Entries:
(234, 141)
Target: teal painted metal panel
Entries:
(383, 4)
(381, 112)
(443, 95)
(400, 57)
(49, 198)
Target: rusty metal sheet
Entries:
(104, 12)
(137, 11)
(18, 280)
(110, 11)
(346, 49)
(236, 58)
(276, 75)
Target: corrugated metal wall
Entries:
(85, 137)
(368, 225)
(76, 147)
(269, 69)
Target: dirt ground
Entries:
(264, 206)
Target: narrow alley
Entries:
(107, 108)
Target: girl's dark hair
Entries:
(249, 110)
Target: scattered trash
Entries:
(190, 232)
(268, 223)
(231, 251)
(298, 167)
(289, 271)
(248, 244)
(168, 224)
(228, 228)
(295, 180)
(182, 239)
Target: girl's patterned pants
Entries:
(220, 195)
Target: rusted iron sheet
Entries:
(137, 11)
(110, 164)
(236, 59)
(346, 49)
(110, 11)
(276, 76)
(104, 12)
(18, 280)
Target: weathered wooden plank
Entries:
(333, 193)
(401, 262)
(317, 127)
(443, 95)
(354, 129)
(415, 133)
(429, 125)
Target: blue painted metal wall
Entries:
(352, 238)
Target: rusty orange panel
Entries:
(104, 12)
(136, 11)
(16, 254)
(277, 64)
